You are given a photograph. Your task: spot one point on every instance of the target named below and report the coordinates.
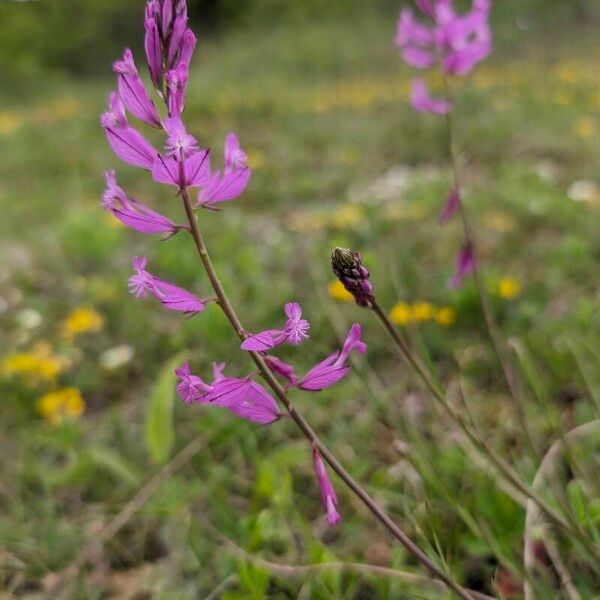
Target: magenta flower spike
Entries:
(232, 183)
(465, 265)
(171, 296)
(243, 397)
(334, 367)
(133, 92)
(127, 143)
(450, 207)
(421, 101)
(328, 496)
(132, 213)
(295, 331)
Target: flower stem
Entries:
(306, 429)
(507, 368)
(497, 461)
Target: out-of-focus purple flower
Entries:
(330, 501)
(184, 164)
(427, 7)
(133, 93)
(465, 264)
(171, 296)
(232, 183)
(295, 331)
(244, 397)
(421, 101)
(348, 268)
(334, 367)
(127, 143)
(133, 213)
(458, 42)
(451, 206)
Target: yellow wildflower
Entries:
(402, 314)
(9, 122)
(422, 311)
(35, 365)
(65, 403)
(445, 316)
(82, 320)
(509, 288)
(337, 291)
(346, 216)
(584, 128)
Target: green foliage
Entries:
(160, 434)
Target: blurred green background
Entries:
(318, 96)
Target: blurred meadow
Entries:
(318, 97)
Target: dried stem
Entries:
(281, 394)
(471, 239)
(497, 461)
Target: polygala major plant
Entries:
(182, 164)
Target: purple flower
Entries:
(295, 331)
(153, 50)
(184, 164)
(451, 206)
(244, 397)
(232, 183)
(348, 268)
(328, 496)
(177, 80)
(190, 387)
(457, 42)
(421, 101)
(133, 93)
(188, 45)
(171, 296)
(127, 143)
(133, 213)
(334, 367)
(465, 264)
(427, 7)
(282, 368)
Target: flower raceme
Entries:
(184, 164)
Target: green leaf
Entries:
(114, 464)
(160, 430)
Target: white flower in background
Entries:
(117, 357)
(29, 318)
(584, 190)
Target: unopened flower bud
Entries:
(347, 267)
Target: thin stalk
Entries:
(312, 437)
(508, 371)
(496, 460)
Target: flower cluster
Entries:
(182, 163)
(455, 43)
